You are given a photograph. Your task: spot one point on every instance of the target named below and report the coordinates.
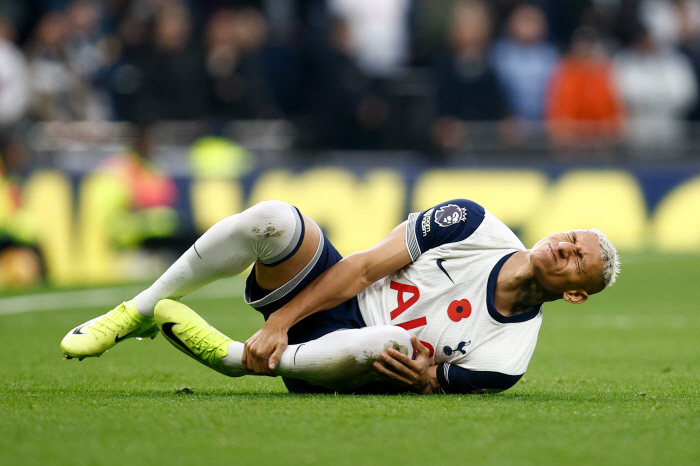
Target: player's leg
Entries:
(266, 293)
(273, 234)
(341, 360)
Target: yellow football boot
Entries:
(191, 334)
(96, 336)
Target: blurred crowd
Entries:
(581, 77)
(359, 74)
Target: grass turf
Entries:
(615, 381)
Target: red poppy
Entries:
(459, 310)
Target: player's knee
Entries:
(271, 218)
(383, 337)
(269, 210)
(275, 230)
(264, 219)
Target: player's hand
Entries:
(263, 350)
(401, 370)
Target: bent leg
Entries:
(341, 360)
(272, 233)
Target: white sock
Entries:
(341, 360)
(268, 231)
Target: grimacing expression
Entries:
(569, 262)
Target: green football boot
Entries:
(191, 334)
(96, 336)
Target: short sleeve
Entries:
(455, 379)
(447, 222)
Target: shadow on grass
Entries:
(185, 393)
(171, 393)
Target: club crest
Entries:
(450, 214)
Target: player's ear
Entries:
(575, 296)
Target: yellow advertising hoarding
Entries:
(72, 226)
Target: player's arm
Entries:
(337, 284)
(422, 378)
(415, 374)
(455, 379)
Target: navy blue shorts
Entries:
(344, 316)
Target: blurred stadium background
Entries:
(129, 127)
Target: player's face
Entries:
(568, 263)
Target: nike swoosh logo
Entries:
(439, 264)
(77, 331)
(167, 329)
(117, 339)
(295, 354)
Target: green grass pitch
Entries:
(615, 381)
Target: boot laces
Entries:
(204, 341)
(113, 320)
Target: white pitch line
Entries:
(105, 297)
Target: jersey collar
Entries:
(491, 292)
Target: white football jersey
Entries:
(445, 296)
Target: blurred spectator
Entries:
(147, 186)
(89, 53)
(670, 22)
(17, 15)
(14, 89)
(379, 33)
(143, 198)
(10, 203)
(216, 157)
(83, 50)
(623, 18)
(20, 267)
(687, 18)
(150, 60)
(432, 20)
(58, 92)
(675, 23)
(467, 87)
(238, 82)
(524, 61)
(583, 104)
(659, 87)
(20, 260)
(565, 17)
(170, 73)
(347, 114)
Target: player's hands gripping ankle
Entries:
(263, 350)
(401, 370)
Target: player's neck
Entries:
(517, 289)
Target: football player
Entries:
(449, 302)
